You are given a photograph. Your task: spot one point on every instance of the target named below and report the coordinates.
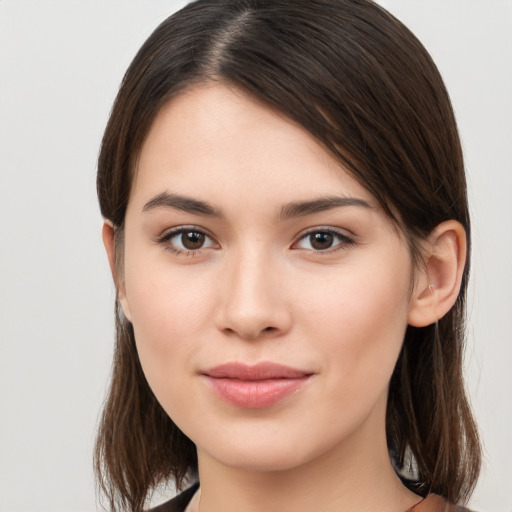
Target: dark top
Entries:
(179, 503)
(432, 503)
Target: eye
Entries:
(323, 240)
(186, 240)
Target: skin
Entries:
(259, 290)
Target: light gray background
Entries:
(60, 66)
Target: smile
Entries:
(255, 387)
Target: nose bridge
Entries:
(253, 301)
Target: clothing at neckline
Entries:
(432, 503)
(435, 503)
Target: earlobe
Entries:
(109, 241)
(438, 286)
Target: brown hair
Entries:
(361, 83)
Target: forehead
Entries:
(220, 143)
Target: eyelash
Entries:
(167, 237)
(344, 241)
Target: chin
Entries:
(266, 450)
(267, 459)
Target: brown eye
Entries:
(187, 241)
(321, 241)
(192, 240)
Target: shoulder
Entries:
(179, 503)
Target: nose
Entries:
(252, 301)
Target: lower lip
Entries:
(255, 394)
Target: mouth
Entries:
(255, 387)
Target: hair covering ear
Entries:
(109, 241)
(438, 287)
(107, 235)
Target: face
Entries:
(268, 292)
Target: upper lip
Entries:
(260, 371)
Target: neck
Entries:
(356, 476)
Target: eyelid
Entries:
(346, 240)
(165, 238)
(169, 232)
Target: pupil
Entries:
(192, 240)
(321, 241)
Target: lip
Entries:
(255, 386)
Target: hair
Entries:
(366, 89)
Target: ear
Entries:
(108, 235)
(438, 283)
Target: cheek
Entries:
(360, 300)
(168, 312)
(165, 326)
(358, 320)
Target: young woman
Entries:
(287, 227)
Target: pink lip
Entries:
(255, 387)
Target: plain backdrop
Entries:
(60, 65)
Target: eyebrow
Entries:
(186, 204)
(290, 210)
(302, 208)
